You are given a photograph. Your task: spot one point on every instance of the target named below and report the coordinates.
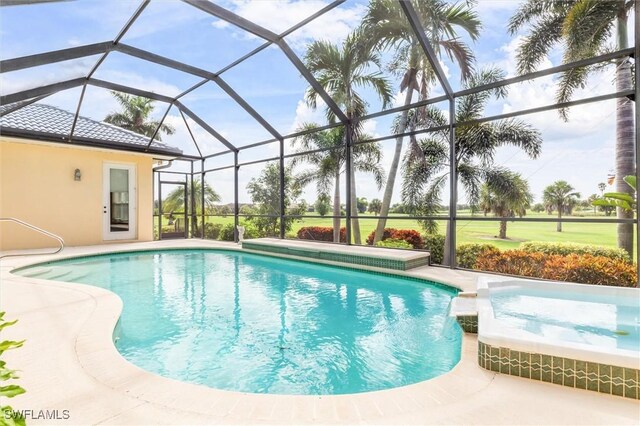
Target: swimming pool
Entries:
(251, 323)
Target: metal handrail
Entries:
(35, 228)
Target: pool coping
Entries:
(98, 358)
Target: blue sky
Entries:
(580, 151)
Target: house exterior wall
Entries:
(37, 186)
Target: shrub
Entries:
(591, 269)
(435, 244)
(467, 254)
(320, 233)
(250, 231)
(385, 235)
(226, 232)
(580, 268)
(394, 243)
(573, 248)
(212, 230)
(409, 235)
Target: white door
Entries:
(119, 202)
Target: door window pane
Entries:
(119, 190)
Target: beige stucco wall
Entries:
(37, 186)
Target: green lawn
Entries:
(603, 234)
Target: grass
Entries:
(602, 234)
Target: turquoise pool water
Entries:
(589, 319)
(259, 324)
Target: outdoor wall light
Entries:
(77, 175)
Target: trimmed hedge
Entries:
(212, 230)
(573, 248)
(435, 244)
(467, 254)
(409, 235)
(394, 243)
(321, 233)
(580, 268)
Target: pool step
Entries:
(464, 308)
(37, 272)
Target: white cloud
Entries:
(279, 16)
(305, 114)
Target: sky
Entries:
(580, 151)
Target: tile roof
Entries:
(46, 120)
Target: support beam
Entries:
(208, 76)
(49, 89)
(202, 183)
(5, 3)
(158, 127)
(453, 185)
(282, 189)
(232, 18)
(191, 134)
(289, 53)
(15, 64)
(19, 105)
(236, 197)
(162, 60)
(75, 117)
(205, 126)
(549, 71)
(252, 112)
(130, 90)
(418, 30)
(131, 20)
(637, 133)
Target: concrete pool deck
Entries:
(69, 363)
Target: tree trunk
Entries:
(393, 170)
(559, 225)
(625, 155)
(446, 258)
(336, 209)
(503, 230)
(355, 223)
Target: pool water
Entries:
(252, 323)
(588, 319)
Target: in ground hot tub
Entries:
(576, 335)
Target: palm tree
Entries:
(329, 165)
(559, 195)
(387, 28)
(340, 71)
(583, 28)
(506, 195)
(175, 200)
(426, 163)
(134, 116)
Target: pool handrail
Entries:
(35, 228)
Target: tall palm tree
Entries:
(426, 163)
(329, 165)
(505, 195)
(135, 114)
(559, 196)
(175, 199)
(584, 29)
(387, 28)
(341, 71)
